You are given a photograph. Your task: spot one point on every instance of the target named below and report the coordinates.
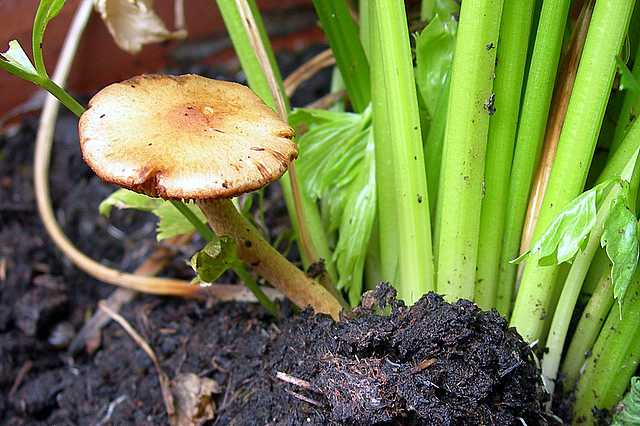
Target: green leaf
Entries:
(18, 62)
(628, 80)
(171, 222)
(568, 232)
(125, 199)
(214, 259)
(628, 410)
(337, 166)
(620, 239)
(47, 10)
(434, 55)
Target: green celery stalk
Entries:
(587, 331)
(403, 205)
(342, 34)
(584, 117)
(531, 127)
(461, 176)
(630, 109)
(512, 54)
(615, 358)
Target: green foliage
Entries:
(434, 54)
(628, 81)
(171, 222)
(337, 166)
(628, 410)
(568, 232)
(214, 259)
(620, 238)
(47, 10)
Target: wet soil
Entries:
(432, 364)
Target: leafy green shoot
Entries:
(171, 222)
(337, 167)
(16, 62)
(620, 239)
(628, 410)
(568, 232)
(215, 258)
(434, 55)
(47, 10)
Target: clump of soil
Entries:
(433, 363)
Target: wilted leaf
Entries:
(133, 23)
(16, 62)
(620, 239)
(569, 230)
(214, 259)
(193, 399)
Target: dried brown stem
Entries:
(561, 97)
(308, 70)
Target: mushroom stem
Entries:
(225, 219)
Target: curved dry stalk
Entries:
(307, 70)
(558, 112)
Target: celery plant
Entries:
(512, 55)
(531, 126)
(403, 206)
(461, 179)
(589, 98)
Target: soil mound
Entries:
(432, 364)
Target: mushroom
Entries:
(193, 138)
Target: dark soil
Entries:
(432, 364)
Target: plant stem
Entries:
(206, 233)
(249, 282)
(342, 33)
(403, 205)
(569, 296)
(630, 109)
(512, 54)
(275, 268)
(460, 197)
(577, 143)
(533, 118)
(627, 148)
(65, 98)
(587, 331)
(312, 238)
(614, 360)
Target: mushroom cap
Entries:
(185, 137)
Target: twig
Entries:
(293, 380)
(307, 70)
(165, 383)
(22, 373)
(328, 100)
(304, 398)
(112, 406)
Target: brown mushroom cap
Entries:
(185, 137)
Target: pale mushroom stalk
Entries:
(302, 290)
(193, 138)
